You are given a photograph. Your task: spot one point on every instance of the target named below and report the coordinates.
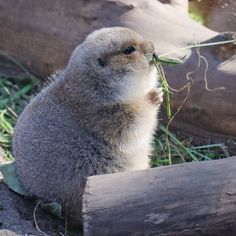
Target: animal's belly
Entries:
(137, 153)
(137, 145)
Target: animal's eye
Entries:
(129, 50)
(100, 62)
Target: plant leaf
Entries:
(164, 84)
(169, 61)
(53, 208)
(11, 179)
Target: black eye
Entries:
(129, 50)
(100, 62)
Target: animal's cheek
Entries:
(119, 62)
(140, 62)
(147, 47)
(134, 62)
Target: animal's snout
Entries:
(149, 57)
(147, 47)
(148, 50)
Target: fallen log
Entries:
(187, 199)
(218, 15)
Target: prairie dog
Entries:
(97, 117)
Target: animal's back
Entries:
(54, 155)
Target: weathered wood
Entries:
(42, 34)
(188, 199)
(219, 15)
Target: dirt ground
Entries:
(17, 215)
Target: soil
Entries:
(17, 216)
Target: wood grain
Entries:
(186, 199)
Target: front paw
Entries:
(155, 96)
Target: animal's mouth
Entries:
(154, 57)
(151, 58)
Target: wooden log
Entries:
(218, 15)
(42, 34)
(187, 199)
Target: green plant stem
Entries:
(197, 46)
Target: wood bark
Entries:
(42, 34)
(191, 199)
(219, 15)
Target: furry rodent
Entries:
(97, 117)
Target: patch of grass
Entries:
(196, 17)
(15, 92)
(170, 149)
(6, 131)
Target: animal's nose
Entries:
(148, 50)
(155, 56)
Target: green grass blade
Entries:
(169, 61)
(198, 45)
(164, 85)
